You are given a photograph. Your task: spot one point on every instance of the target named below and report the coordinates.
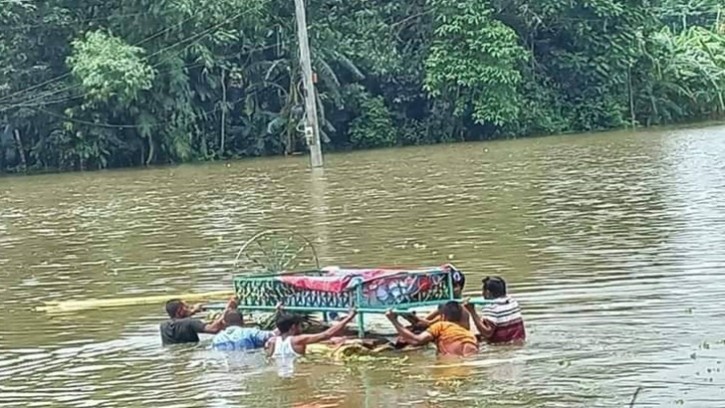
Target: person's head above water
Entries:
(451, 311)
(289, 324)
(177, 309)
(233, 318)
(459, 282)
(493, 287)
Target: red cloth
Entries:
(336, 280)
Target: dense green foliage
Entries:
(86, 84)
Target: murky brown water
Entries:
(613, 243)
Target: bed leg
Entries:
(360, 325)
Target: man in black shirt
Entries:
(182, 328)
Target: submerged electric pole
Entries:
(312, 129)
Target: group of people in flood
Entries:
(449, 327)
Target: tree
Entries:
(474, 62)
(86, 84)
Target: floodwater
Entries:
(614, 244)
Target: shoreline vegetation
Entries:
(301, 154)
(87, 85)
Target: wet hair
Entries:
(233, 318)
(173, 306)
(496, 285)
(451, 311)
(286, 321)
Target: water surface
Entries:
(613, 244)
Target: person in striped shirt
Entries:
(502, 321)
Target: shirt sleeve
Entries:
(489, 315)
(435, 329)
(261, 336)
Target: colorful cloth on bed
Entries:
(337, 280)
(336, 288)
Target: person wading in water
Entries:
(448, 335)
(292, 343)
(502, 321)
(183, 328)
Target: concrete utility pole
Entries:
(312, 130)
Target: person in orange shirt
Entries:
(448, 335)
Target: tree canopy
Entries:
(86, 84)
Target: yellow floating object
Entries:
(89, 304)
(354, 350)
(341, 352)
(319, 348)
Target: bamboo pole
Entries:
(90, 304)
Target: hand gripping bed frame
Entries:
(337, 290)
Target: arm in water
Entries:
(407, 335)
(422, 322)
(334, 330)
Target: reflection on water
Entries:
(613, 245)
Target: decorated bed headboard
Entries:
(369, 290)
